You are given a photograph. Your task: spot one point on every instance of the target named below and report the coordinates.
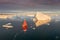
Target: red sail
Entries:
(24, 26)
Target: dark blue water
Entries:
(44, 32)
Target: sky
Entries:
(42, 5)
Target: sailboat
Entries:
(24, 26)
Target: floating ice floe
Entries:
(33, 28)
(48, 24)
(7, 26)
(41, 19)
